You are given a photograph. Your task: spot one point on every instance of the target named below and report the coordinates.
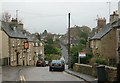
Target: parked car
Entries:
(40, 63)
(46, 63)
(56, 65)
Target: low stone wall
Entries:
(111, 73)
(92, 70)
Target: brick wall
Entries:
(92, 70)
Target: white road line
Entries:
(22, 79)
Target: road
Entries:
(36, 74)
(10, 73)
(64, 52)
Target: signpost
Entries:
(81, 55)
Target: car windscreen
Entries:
(56, 61)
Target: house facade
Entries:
(104, 43)
(14, 42)
(38, 50)
(4, 49)
(17, 46)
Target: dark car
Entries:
(40, 63)
(56, 65)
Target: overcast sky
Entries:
(52, 16)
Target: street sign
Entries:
(82, 54)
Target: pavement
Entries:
(87, 78)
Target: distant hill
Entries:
(78, 33)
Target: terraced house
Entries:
(19, 47)
(105, 43)
(14, 40)
(13, 52)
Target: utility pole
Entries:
(69, 57)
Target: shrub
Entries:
(98, 61)
(101, 61)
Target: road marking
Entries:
(22, 79)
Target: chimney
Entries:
(114, 17)
(119, 8)
(15, 23)
(101, 22)
(20, 26)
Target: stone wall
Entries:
(92, 70)
(111, 73)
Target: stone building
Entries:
(105, 42)
(18, 46)
(3, 51)
(14, 43)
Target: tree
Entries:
(45, 32)
(6, 17)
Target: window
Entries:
(40, 44)
(92, 44)
(18, 41)
(36, 44)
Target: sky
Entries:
(52, 15)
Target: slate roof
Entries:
(10, 32)
(103, 32)
(30, 38)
